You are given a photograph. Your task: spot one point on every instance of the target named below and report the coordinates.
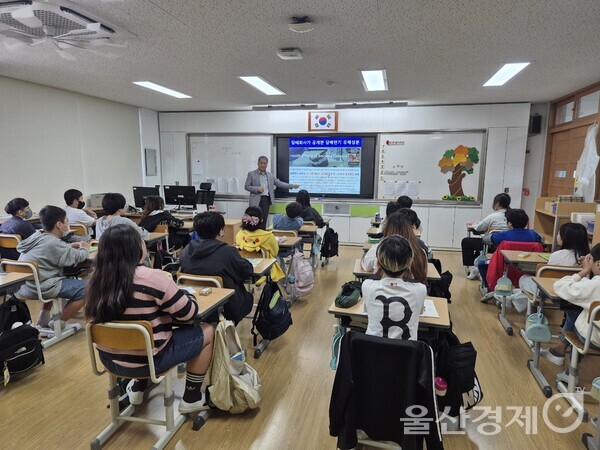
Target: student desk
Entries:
(527, 263)
(367, 246)
(545, 292)
(11, 281)
(376, 223)
(262, 268)
(375, 232)
(155, 237)
(358, 317)
(212, 302)
(361, 275)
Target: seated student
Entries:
(52, 255)
(398, 224)
(252, 238)
(291, 220)
(20, 211)
(76, 211)
(581, 291)
(573, 241)
(393, 305)
(121, 288)
(114, 206)
(516, 220)
(391, 208)
(154, 215)
(211, 256)
(405, 201)
(472, 247)
(309, 214)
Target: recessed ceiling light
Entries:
(301, 24)
(161, 89)
(374, 80)
(262, 85)
(505, 73)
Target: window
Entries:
(588, 104)
(564, 113)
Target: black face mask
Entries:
(81, 205)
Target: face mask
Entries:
(81, 205)
(67, 231)
(28, 214)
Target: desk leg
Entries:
(260, 348)
(534, 365)
(592, 442)
(502, 317)
(575, 399)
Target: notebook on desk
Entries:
(545, 256)
(429, 309)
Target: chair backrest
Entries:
(78, 229)
(9, 240)
(161, 229)
(9, 265)
(260, 253)
(310, 222)
(547, 271)
(293, 233)
(122, 336)
(188, 279)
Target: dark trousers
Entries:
(471, 247)
(265, 202)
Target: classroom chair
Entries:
(292, 233)
(188, 279)
(125, 336)
(31, 267)
(545, 271)
(248, 254)
(577, 348)
(78, 229)
(10, 242)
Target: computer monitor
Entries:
(141, 192)
(206, 198)
(180, 195)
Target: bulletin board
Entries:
(225, 160)
(432, 166)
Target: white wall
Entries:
(52, 140)
(534, 160)
(507, 134)
(149, 138)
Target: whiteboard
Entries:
(426, 166)
(225, 160)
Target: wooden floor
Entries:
(63, 405)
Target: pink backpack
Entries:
(303, 273)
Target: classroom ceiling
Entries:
(435, 51)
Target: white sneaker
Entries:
(135, 397)
(562, 376)
(558, 360)
(474, 274)
(200, 405)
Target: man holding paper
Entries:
(261, 185)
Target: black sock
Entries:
(139, 385)
(193, 385)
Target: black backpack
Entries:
(20, 348)
(330, 245)
(272, 317)
(455, 362)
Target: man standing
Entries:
(261, 185)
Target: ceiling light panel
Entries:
(505, 73)
(374, 80)
(161, 89)
(262, 85)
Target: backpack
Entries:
(304, 276)
(20, 347)
(272, 317)
(232, 384)
(455, 362)
(330, 246)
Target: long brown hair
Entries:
(110, 286)
(398, 223)
(152, 203)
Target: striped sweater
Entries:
(158, 300)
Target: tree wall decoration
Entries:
(459, 161)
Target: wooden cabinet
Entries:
(547, 223)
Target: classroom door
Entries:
(566, 148)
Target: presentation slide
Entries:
(319, 162)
